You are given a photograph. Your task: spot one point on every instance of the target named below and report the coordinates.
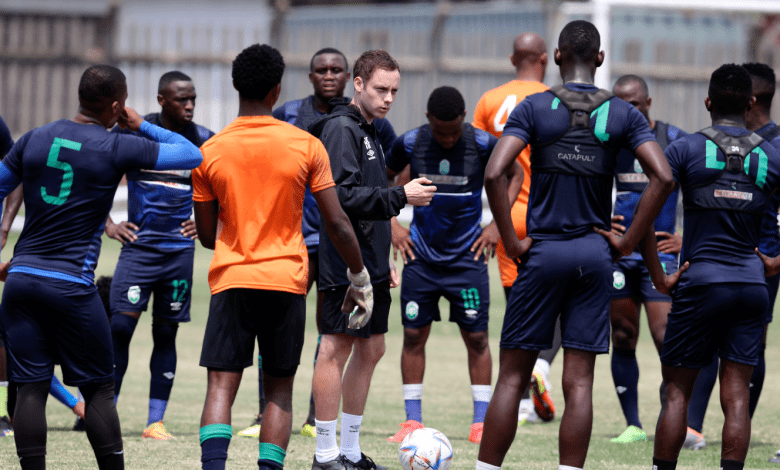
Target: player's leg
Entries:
(672, 426)
(577, 420)
(308, 428)
(759, 372)
(412, 372)
(657, 316)
(480, 369)
(335, 349)
(228, 323)
(700, 399)
(6, 429)
(368, 348)
(735, 400)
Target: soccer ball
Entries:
(424, 449)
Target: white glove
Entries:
(359, 301)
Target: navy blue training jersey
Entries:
(6, 142)
(70, 173)
(445, 229)
(770, 237)
(719, 243)
(302, 113)
(563, 206)
(159, 201)
(631, 181)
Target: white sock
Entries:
(566, 467)
(327, 449)
(486, 466)
(480, 392)
(413, 391)
(350, 436)
(543, 367)
(526, 404)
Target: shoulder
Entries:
(484, 139)
(204, 133)
(288, 110)
(409, 138)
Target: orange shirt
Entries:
(491, 114)
(257, 168)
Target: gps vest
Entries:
(306, 114)
(732, 189)
(447, 176)
(578, 150)
(636, 181)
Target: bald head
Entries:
(529, 56)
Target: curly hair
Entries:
(372, 60)
(101, 85)
(256, 71)
(730, 89)
(581, 39)
(446, 104)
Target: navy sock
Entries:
(731, 464)
(700, 398)
(122, 328)
(757, 381)
(163, 368)
(659, 464)
(214, 442)
(625, 375)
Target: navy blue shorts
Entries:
(141, 272)
(772, 284)
(463, 282)
(334, 321)
(572, 278)
(239, 316)
(631, 279)
(728, 318)
(50, 321)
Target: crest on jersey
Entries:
(412, 310)
(618, 280)
(444, 167)
(637, 167)
(134, 294)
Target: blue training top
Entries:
(770, 237)
(564, 205)
(445, 229)
(631, 181)
(70, 173)
(302, 113)
(159, 201)
(719, 243)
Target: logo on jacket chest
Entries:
(369, 151)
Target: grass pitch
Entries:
(447, 402)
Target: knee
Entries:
(477, 343)
(164, 334)
(370, 351)
(623, 338)
(123, 327)
(414, 340)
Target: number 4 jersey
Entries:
(70, 173)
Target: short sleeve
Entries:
(398, 157)
(135, 153)
(673, 155)
(637, 130)
(520, 122)
(481, 120)
(320, 175)
(13, 160)
(201, 186)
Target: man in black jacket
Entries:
(358, 165)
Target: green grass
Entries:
(446, 406)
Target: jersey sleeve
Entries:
(486, 142)
(13, 160)
(520, 122)
(201, 185)
(320, 175)
(481, 119)
(636, 130)
(674, 154)
(398, 157)
(135, 152)
(6, 142)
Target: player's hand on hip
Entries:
(188, 229)
(417, 194)
(517, 248)
(486, 243)
(615, 243)
(130, 119)
(669, 242)
(395, 278)
(359, 301)
(771, 265)
(123, 232)
(617, 227)
(401, 241)
(4, 270)
(671, 281)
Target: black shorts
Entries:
(238, 316)
(335, 321)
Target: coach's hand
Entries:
(4, 270)
(189, 230)
(359, 301)
(617, 228)
(771, 265)
(417, 194)
(123, 232)
(669, 242)
(670, 281)
(486, 243)
(401, 241)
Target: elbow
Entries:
(208, 244)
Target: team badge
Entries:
(444, 167)
(412, 310)
(134, 294)
(619, 280)
(637, 167)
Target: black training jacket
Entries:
(358, 165)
